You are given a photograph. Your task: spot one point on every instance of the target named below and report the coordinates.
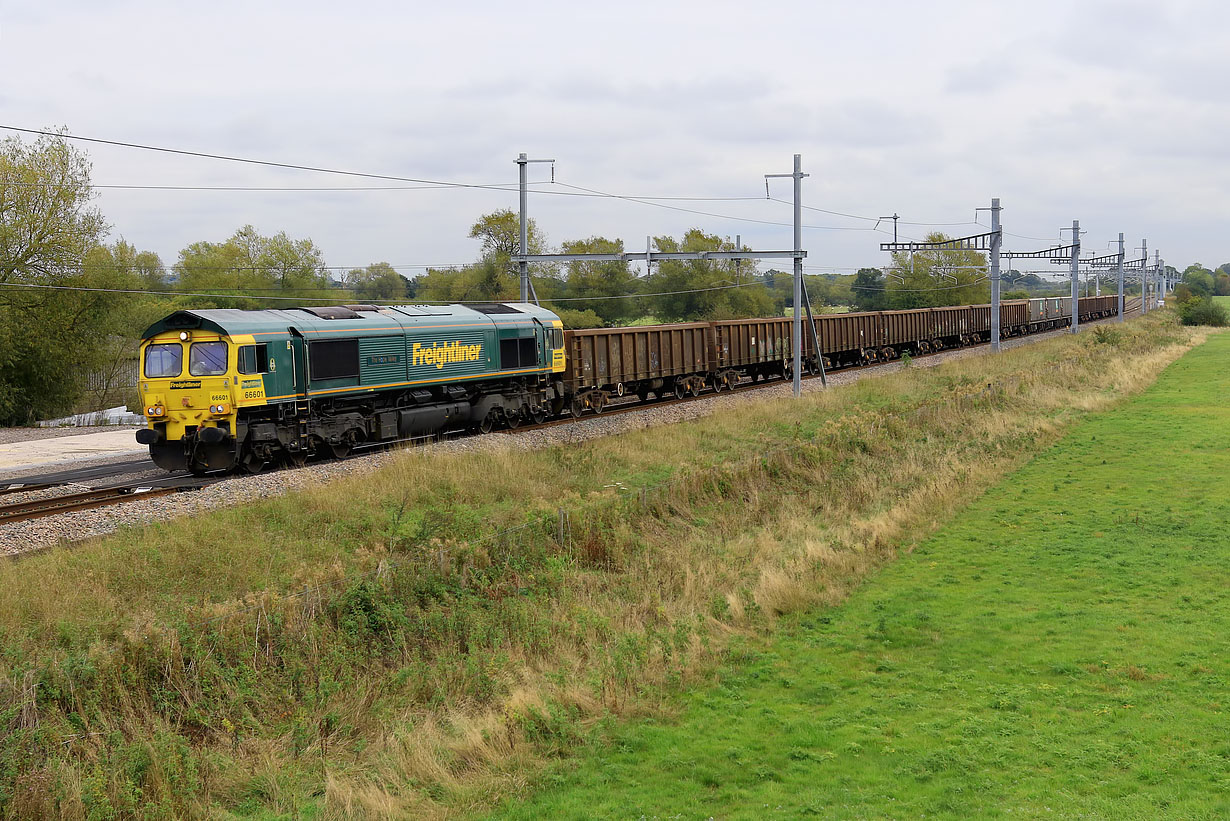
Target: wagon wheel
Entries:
(598, 404)
(644, 395)
(717, 383)
(694, 387)
(576, 408)
(681, 390)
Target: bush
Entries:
(1203, 312)
(573, 318)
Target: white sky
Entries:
(1113, 113)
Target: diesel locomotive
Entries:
(226, 389)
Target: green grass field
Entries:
(1060, 649)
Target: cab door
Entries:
(299, 369)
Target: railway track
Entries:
(98, 497)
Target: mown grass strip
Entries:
(1060, 649)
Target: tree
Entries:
(592, 285)
(495, 277)
(1199, 279)
(500, 236)
(378, 282)
(252, 266)
(869, 291)
(938, 277)
(51, 339)
(701, 289)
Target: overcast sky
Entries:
(1113, 113)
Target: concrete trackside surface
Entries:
(40, 452)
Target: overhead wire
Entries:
(429, 184)
(861, 217)
(248, 160)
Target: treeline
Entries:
(603, 293)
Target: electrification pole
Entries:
(798, 176)
(522, 163)
(996, 242)
(1144, 277)
(1158, 289)
(1120, 276)
(1076, 294)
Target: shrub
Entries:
(1203, 312)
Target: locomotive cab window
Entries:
(519, 353)
(162, 361)
(207, 359)
(254, 358)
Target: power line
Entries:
(658, 202)
(651, 202)
(861, 217)
(249, 161)
(271, 188)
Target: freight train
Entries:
(230, 389)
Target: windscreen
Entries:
(207, 359)
(162, 361)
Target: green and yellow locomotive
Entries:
(227, 388)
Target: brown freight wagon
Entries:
(759, 348)
(604, 362)
(901, 329)
(850, 339)
(1013, 317)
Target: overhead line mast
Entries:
(797, 254)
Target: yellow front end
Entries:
(556, 337)
(189, 382)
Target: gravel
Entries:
(22, 537)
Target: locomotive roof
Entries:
(357, 318)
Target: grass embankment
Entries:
(370, 647)
(1062, 648)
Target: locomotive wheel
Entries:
(340, 451)
(252, 463)
(537, 415)
(488, 423)
(513, 419)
